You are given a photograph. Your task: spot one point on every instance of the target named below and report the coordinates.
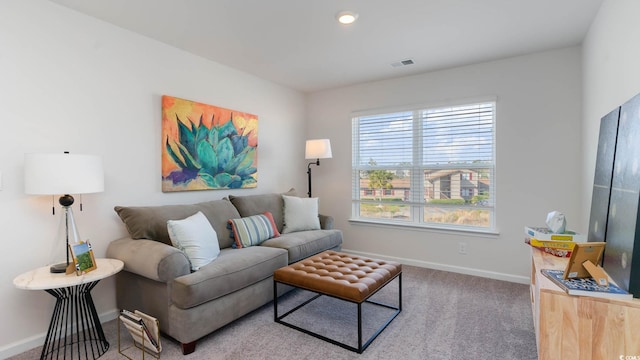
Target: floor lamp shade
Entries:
(318, 149)
(63, 174)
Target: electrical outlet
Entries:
(462, 248)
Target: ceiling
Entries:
(299, 44)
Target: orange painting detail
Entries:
(207, 147)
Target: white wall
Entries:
(611, 58)
(71, 82)
(538, 160)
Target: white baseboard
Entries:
(29, 343)
(444, 267)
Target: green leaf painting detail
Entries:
(219, 157)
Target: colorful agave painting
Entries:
(207, 147)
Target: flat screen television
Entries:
(615, 204)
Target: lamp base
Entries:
(58, 268)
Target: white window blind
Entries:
(430, 166)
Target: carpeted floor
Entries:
(444, 316)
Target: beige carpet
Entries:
(444, 316)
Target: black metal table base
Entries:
(361, 346)
(75, 331)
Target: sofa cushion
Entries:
(196, 237)
(303, 244)
(150, 222)
(300, 214)
(233, 270)
(252, 230)
(250, 205)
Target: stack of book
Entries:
(586, 286)
(553, 243)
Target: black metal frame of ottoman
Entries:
(361, 347)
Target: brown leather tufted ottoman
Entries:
(347, 277)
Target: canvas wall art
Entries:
(206, 147)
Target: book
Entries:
(560, 248)
(557, 252)
(544, 233)
(586, 286)
(554, 244)
(139, 325)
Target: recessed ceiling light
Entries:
(346, 17)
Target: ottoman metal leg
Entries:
(361, 347)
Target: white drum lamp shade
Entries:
(318, 149)
(58, 174)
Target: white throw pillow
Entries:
(196, 237)
(300, 214)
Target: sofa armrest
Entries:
(151, 259)
(326, 222)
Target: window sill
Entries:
(416, 227)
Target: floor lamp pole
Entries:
(317, 162)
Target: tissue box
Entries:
(543, 233)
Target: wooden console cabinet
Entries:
(579, 327)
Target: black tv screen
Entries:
(622, 232)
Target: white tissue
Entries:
(556, 222)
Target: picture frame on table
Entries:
(583, 252)
(83, 258)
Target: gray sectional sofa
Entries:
(157, 278)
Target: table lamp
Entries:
(316, 149)
(63, 174)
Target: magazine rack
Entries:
(140, 336)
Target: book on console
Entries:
(552, 244)
(543, 233)
(586, 286)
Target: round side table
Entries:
(75, 330)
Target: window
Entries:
(439, 162)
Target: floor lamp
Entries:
(316, 149)
(63, 174)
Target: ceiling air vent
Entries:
(402, 63)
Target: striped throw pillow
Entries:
(252, 230)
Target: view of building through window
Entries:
(432, 167)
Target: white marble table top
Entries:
(43, 279)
